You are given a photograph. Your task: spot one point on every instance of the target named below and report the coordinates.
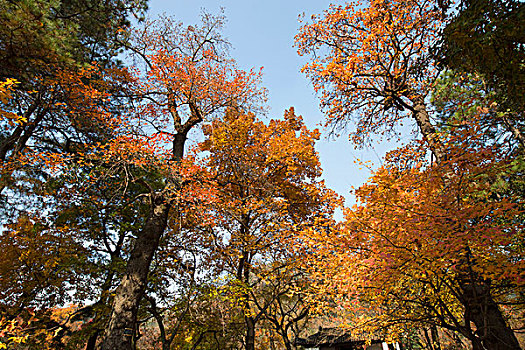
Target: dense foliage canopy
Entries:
(125, 228)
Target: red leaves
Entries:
(401, 250)
(369, 62)
(189, 76)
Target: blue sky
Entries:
(262, 35)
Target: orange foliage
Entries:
(370, 61)
(398, 258)
(188, 78)
(267, 188)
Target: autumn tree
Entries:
(404, 250)
(183, 294)
(258, 185)
(85, 158)
(268, 187)
(187, 79)
(372, 66)
(65, 89)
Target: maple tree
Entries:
(404, 251)
(372, 64)
(267, 189)
(257, 185)
(86, 160)
(463, 101)
(188, 78)
(109, 223)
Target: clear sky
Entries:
(262, 35)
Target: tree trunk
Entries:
(420, 115)
(436, 344)
(21, 134)
(92, 340)
(121, 327)
(17, 141)
(243, 274)
(480, 307)
(250, 332)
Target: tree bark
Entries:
(250, 332)
(491, 328)
(483, 311)
(104, 293)
(122, 322)
(420, 115)
(22, 133)
(243, 274)
(121, 327)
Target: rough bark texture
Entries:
(428, 131)
(121, 327)
(250, 332)
(104, 294)
(480, 307)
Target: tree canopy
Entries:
(147, 202)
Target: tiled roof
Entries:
(334, 336)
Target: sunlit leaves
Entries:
(397, 261)
(265, 187)
(371, 61)
(188, 77)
